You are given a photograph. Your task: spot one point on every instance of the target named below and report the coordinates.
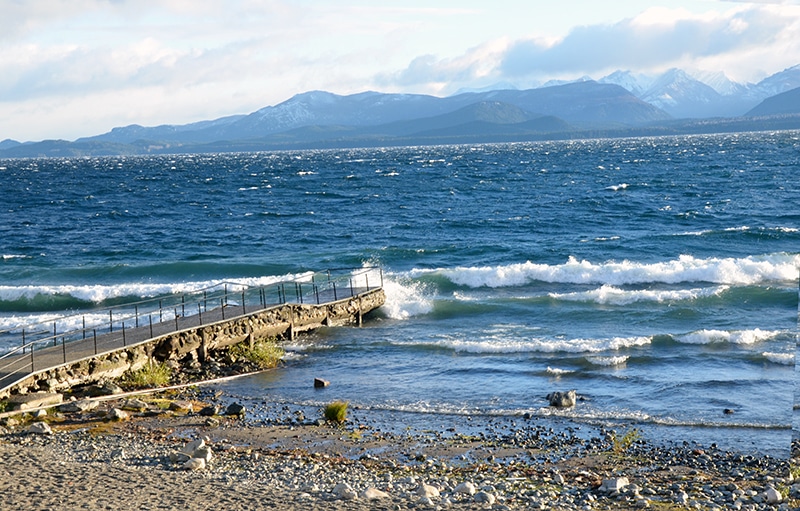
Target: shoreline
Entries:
(92, 463)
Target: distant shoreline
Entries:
(281, 142)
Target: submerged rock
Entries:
(562, 399)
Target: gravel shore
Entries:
(185, 458)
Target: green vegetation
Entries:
(152, 375)
(4, 406)
(336, 412)
(265, 353)
(621, 444)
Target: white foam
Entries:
(405, 299)
(608, 361)
(540, 345)
(616, 188)
(750, 270)
(733, 337)
(98, 293)
(555, 371)
(779, 358)
(608, 294)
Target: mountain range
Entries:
(620, 104)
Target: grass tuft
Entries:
(619, 445)
(152, 375)
(265, 353)
(336, 412)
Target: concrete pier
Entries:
(57, 368)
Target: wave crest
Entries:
(724, 271)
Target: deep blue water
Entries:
(656, 276)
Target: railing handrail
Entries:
(219, 293)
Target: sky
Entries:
(75, 68)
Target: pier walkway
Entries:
(86, 336)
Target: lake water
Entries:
(656, 276)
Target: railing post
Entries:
(160, 312)
(110, 320)
(23, 342)
(200, 313)
(83, 332)
(351, 287)
(225, 293)
(316, 291)
(94, 333)
(244, 310)
(136, 315)
(366, 279)
(176, 318)
(334, 292)
(64, 348)
(381, 273)
(183, 305)
(55, 340)
(150, 316)
(222, 306)
(124, 342)
(32, 357)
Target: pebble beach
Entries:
(188, 451)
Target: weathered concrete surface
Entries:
(282, 321)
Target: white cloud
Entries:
(655, 40)
(71, 68)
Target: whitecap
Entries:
(555, 371)
(608, 361)
(779, 358)
(405, 299)
(733, 336)
(607, 294)
(541, 345)
(728, 271)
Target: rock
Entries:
(115, 414)
(192, 446)
(102, 389)
(773, 496)
(204, 453)
(466, 488)
(426, 502)
(39, 414)
(374, 494)
(194, 464)
(209, 411)
(179, 457)
(40, 428)
(562, 399)
(134, 405)
(343, 491)
(426, 490)
(320, 383)
(181, 406)
(36, 400)
(483, 497)
(211, 422)
(728, 411)
(235, 409)
(81, 406)
(614, 484)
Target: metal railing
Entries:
(139, 321)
